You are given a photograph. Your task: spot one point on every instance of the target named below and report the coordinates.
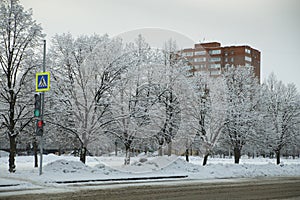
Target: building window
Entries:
(200, 52)
(215, 59)
(202, 72)
(215, 66)
(203, 59)
(202, 66)
(187, 54)
(232, 59)
(226, 59)
(215, 52)
(247, 58)
(248, 51)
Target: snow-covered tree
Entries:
(208, 111)
(146, 102)
(242, 98)
(175, 95)
(19, 37)
(84, 71)
(281, 112)
(134, 104)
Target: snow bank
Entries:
(68, 168)
(148, 164)
(181, 165)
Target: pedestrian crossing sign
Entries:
(42, 81)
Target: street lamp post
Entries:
(42, 113)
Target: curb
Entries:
(122, 179)
(9, 185)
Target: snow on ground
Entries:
(68, 168)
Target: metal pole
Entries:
(42, 112)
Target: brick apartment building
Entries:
(214, 58)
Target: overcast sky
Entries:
(271, 26)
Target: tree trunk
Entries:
(237, 155)
(205, 159)
(12, 153)
(170, 148)
(160, 150)
(160, 146)
(277, 157)
(35, 147)
(116, 148)
(83, 154)
(187, 155)
(127, 156)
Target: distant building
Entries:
(214, 58)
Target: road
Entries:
(263, 188)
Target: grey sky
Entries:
(271, 26)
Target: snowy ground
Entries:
(58, 169)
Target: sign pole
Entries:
(42, 112)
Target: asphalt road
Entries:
(263, 188)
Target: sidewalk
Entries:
(11, 186)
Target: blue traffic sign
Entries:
(42, 81)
